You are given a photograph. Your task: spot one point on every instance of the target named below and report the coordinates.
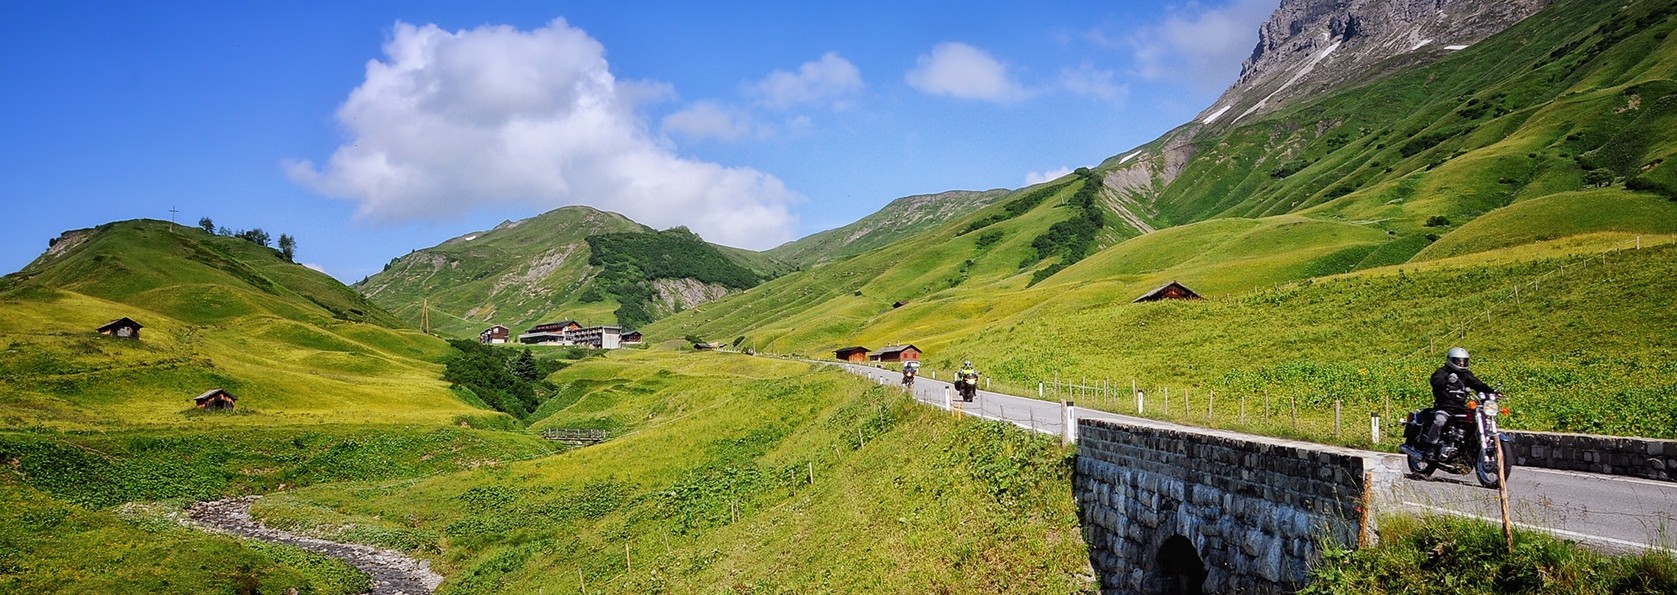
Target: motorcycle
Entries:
(908, 378)
(1465, 442)
(967, 388)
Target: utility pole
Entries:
(425, 315)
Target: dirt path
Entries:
(392, 573)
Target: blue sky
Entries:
(369, 129)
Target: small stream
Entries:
(392, 573)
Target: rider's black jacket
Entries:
(1450, 388)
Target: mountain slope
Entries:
(901, 218)
(1309, 48)
(1445, 188)
(1522, 114)
(292, 344)
(544, 269)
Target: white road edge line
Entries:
(1599, 477)
(1538, 528)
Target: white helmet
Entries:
(967, 363)
(1456, 358)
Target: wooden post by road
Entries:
(1336, 418)
(1502, 492)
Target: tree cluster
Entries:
(1073, 239)
(287, 245)
(508, 380)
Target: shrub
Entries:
(1438, 221)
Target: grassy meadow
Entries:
(727, 473)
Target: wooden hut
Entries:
(631, 338)
(215, 399)
(1168, 291)
(856, 354)
(897, 353)
(124, 327)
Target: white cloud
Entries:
(963, 71)
(1088, 81)
(450, 121)
(1040, 177)
(1200, 46)
(708, 119)
(830, 81)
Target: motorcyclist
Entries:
(968, 375)
(910, 370)
(1451, 385)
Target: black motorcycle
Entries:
(1465, 442)
(908, 378)
(967, 388)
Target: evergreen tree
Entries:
(524, 366)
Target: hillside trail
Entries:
(392, 573)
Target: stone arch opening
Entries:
(1181, 571)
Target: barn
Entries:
(124, 327)
(897, 353)
(215, 399)
(856, 354)
(1168, 291)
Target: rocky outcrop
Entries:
(1311, 46)
(675, 295)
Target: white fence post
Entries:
(1068, 424)
(1374, 427)
(948, 401)
(1039, 390)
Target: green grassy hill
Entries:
(727, 473)
(294, 345)
(901, 218)
(546, 268)
(100, 445)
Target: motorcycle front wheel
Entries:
(1486, 468)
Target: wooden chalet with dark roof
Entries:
(124, 327)
(215, 399)
(1168, 291)
(897, 353)
(856, 354)
(494, 335)
(631, 338)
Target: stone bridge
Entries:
(1167, 509)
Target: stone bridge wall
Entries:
(1170, 509)
(1612, 455)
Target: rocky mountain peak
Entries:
(1311, 46)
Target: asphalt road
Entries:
(1611, 513)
